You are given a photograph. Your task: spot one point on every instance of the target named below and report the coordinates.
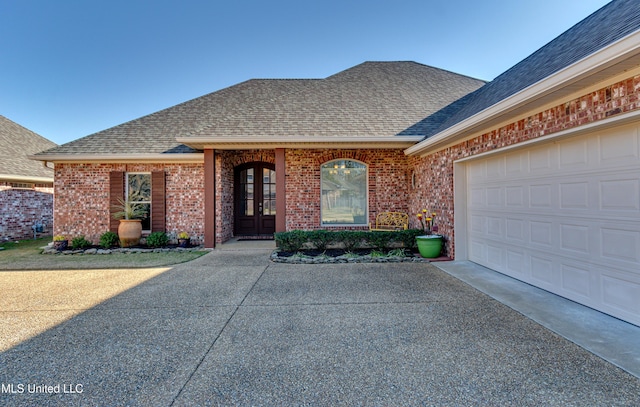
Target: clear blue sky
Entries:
(69, 68)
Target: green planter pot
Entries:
(429, 246)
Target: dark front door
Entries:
(255, 199)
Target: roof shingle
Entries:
(605, 26)
(16, 143)
(370, 99)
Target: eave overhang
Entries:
(119, 158)
(26, 179)
(620, 56)
(253, 143)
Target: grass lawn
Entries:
(26, 255)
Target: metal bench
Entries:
(390, 221)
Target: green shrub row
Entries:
(109, 240)
(350, 240)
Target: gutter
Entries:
(119, 158)
(27, 179)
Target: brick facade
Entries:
(434, 172)
(81, 201)
(388, 181)
(21, 208)
(82, 190)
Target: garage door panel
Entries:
(563, 216)
(516, 163)
(495, 256)
(619, 294)
(541, 234)
(515, 196)
(574, 195)
(619, 147)
(542, 271)
(515, 263)
(515, 230)
(577, 280)
(621, 244)
(620, 194)
(573, 154)
(574, 238)
(540, 196)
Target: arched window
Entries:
(344, 193)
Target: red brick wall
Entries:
(434, 173)
(388, 181)
(20, 209)
(81, 202)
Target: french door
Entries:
(255, 199)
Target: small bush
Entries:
(157, 239)
(381, 240)
(351, 239)
(322, 238)
(291, 241)
(408, 237)
(109, 240)
(79, 243)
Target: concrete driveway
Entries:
(232, 328)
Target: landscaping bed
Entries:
(26, 255)
(348, 246)
(343, 256)
(128, 250)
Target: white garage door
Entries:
(563, 216)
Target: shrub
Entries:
(408, 237)
(351, 239)
(80, 242)
(109, 240)
(291, 241)
(381, 240)
(157, 239)
(322, 238)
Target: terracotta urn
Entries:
(129, 232)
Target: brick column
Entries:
(281, 189)
(209, 199)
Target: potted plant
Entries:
(130, 228)
(429, 244)
(183, 239)
(60, 242)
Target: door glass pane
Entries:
(246, 192)
(268, 191)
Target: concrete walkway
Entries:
(232, 328)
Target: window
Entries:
(344, 193)
(138, 190)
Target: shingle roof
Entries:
(370, 99)
(605, 26)
(16, 143)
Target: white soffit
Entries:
(252, 142)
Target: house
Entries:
(535, 174)
(26, 186)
